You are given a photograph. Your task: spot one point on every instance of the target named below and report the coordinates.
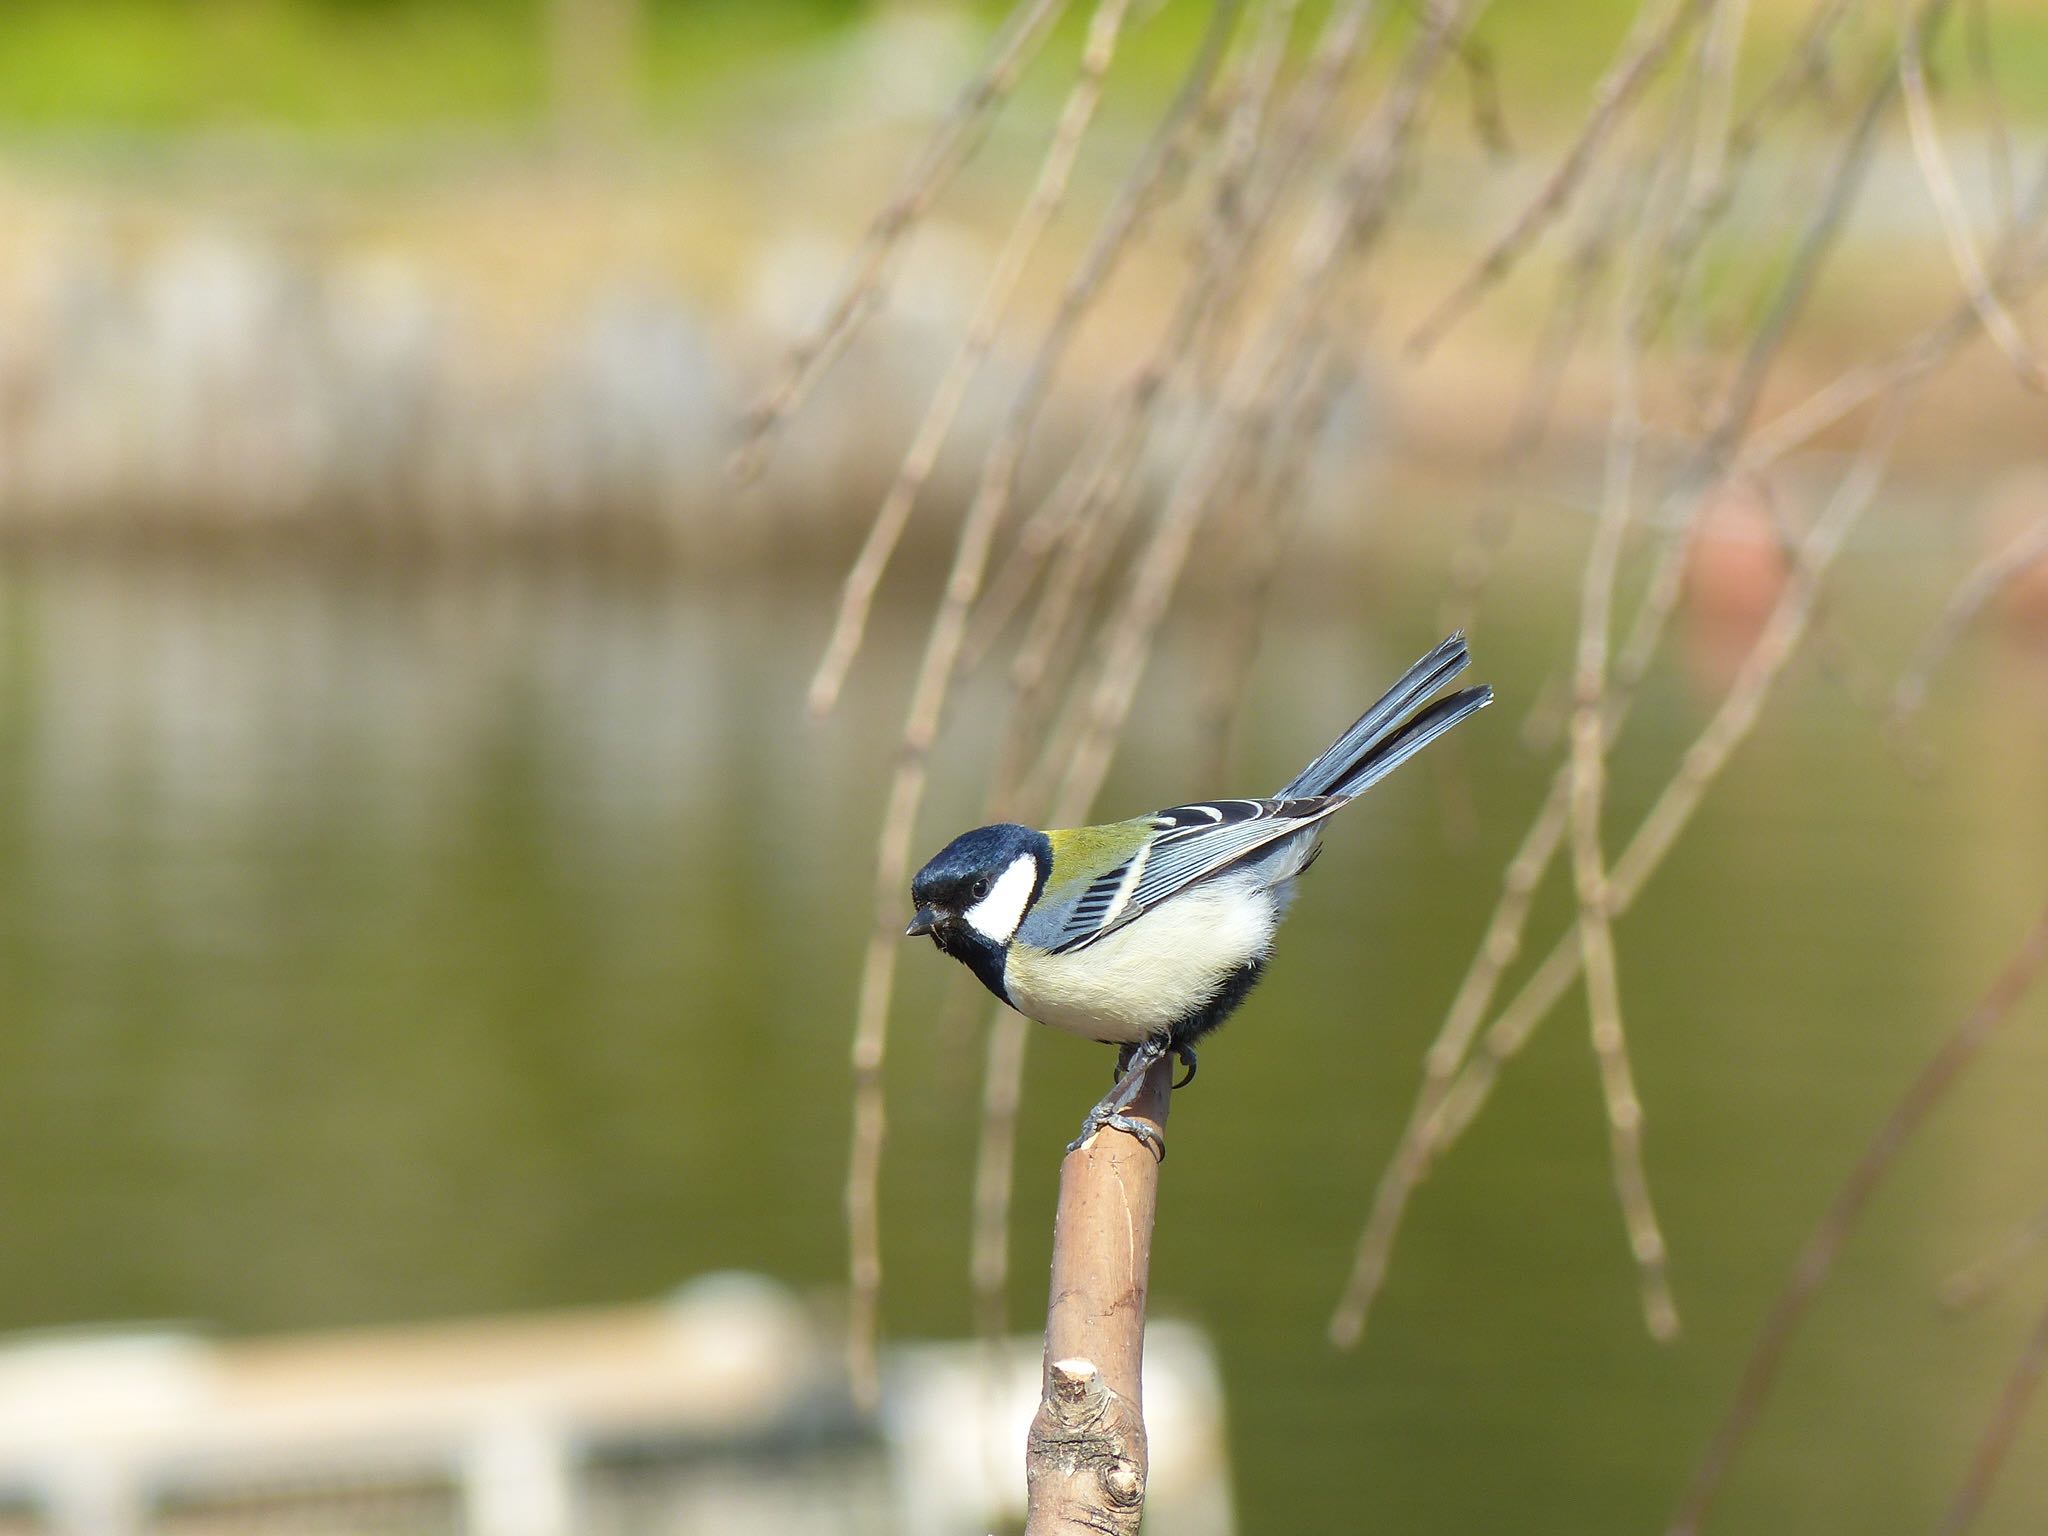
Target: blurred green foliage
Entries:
(323, 66)
(131, 66)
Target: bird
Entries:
(1147, 934)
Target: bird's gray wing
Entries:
(1192, 843)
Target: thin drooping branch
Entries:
(1564, 323)
(1054, 173)
(1270, 379)
(878, 972)
(1228, 398)
(1002, 1084)
(1158, 167)
(1698, 768)
(1998, 571)
(1279, 389)
(2004, 175)
(1588, 768)
(1263, 527)
(2013, 1401)
(1452, 1091)
(971, 353)
(1806, 68)
(861, 291)
(1085, 1460)
(1455, 1088)
(1998, 321)
(1970, 1285)
(1096, 519)
(1817, 1259)
(934, 681)
(1612, 98)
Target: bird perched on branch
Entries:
(1146, 934)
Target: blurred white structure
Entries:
(955, 1416)
(720, 1411)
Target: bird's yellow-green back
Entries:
(1081, 854)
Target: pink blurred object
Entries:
(1734, 575)
(2012, 520)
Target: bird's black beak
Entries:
(926, 920)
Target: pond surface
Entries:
(382, 945)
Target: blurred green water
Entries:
(381, 944)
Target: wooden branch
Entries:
(1084, 1460)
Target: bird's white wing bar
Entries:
(1126, 888)
(1194, 842)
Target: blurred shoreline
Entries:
(549, 350)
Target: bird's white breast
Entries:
(1152, 972)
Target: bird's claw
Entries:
(1186, 1053)
(1115, 1120)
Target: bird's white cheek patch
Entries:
(996, 916)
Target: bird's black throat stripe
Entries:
(981, 955)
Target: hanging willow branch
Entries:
(1276, 172)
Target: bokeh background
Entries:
(424, 896)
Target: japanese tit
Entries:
(1146, 934)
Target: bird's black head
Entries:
(975, 891)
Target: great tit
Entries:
(1146, 934)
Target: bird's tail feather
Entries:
(1416, 733)
(1379, 740)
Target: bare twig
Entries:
(1264, 526)
(1446, 1100)
(1092, 523)
(1414, 1149)
(892, 869)
(1984, 583)
(1999, 131)
(1053, 175)
(1118, 229)
(1999, 323)
(1030, 675)
(2013, 1401)
(1710, 201)
(1817, 1259)
(1698, 768)
(1720, 52)
(1081, 512)
(1471, 565)
(1055, 523)
(994, 1170)
(1269, 370)
(936, 671)
(1589, 864)
(1613, 96)
(861, 292)
(1968, 1286)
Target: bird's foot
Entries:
(1186, 1054)
(1133, 1062)
(1101, 1119)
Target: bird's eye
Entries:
(980, 889)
